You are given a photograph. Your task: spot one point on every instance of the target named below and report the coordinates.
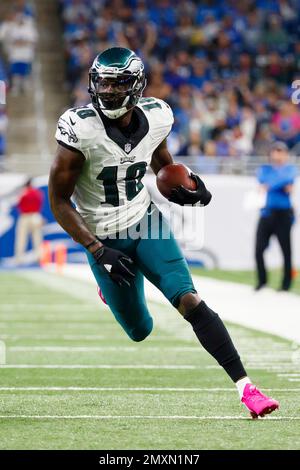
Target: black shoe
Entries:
(260, 285)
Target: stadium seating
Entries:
(19, 14)
(226, 72)
(33, 110)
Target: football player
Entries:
(104, 150)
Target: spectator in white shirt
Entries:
(20, 37)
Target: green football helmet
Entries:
(116, 81)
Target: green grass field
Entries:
(73, 380)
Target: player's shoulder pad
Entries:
(158, 111)
(77, 125)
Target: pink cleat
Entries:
(101, 295)
(257, 403)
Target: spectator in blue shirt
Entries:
(277, 216)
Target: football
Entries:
(172, 176)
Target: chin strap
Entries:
(115, 113)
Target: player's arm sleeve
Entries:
(168, 119)
(161, 155)
(68, 133)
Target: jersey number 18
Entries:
(133, 182)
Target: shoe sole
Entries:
(264, 412)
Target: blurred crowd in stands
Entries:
(18, 36)
(226, 68)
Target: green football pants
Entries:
(157, 256)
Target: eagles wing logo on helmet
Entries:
(116, 81)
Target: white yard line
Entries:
(53, 282)
(136, 389)
(234, 302)
(105, 348)
(289, 375)
(102, 366)
(53, 337)
(67, 324)
(58, 336)
(24, 307)
(226, 298)
(251, 358)
(65, 349)
(168, 320)
(134, 366)
(141, 417)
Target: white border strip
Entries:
(106, 348)
(102, 366)
(137, 389)
(278, 367)
(171, 417)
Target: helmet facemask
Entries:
(115, 93)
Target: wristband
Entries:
(91, 244)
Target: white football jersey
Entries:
(109, 194)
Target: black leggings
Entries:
(278, 223)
